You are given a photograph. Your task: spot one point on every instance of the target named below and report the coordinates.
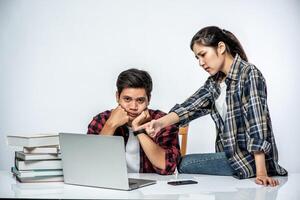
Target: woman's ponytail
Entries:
(212, 35)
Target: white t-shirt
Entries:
(133, 153)
(221, 101)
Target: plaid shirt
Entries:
(247, 127)
(167, 139)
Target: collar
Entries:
(235, 68)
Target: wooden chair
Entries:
(183, 132)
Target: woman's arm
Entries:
(262, 177)
(197, 105)
(169, 119)
(256, 117)
(153, 127)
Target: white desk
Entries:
(208, 187)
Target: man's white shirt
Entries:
(133, 153)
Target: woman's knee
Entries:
(185, 163)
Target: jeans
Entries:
(207, 163)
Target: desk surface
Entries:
(208, 187)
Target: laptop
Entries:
(98, 161)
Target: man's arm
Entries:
(167, 139)
(108, 129)
(163, 150)
(153, 151)
(106, 124)
(117, 118)
(97, 124)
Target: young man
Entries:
(144, 154)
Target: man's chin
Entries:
(130, 120)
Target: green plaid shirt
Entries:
(247, 127)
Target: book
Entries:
(27, 156)
(37, 164)
(36, 173)
(45, 149)
(35, 140)
(40, 179)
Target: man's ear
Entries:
(221, 48)
(117, 97)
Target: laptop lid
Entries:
(95, 160)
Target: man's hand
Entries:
(266, 180)
(118, 117)
(141, 119)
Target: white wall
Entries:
(59, 61)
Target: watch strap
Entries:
(135, 133)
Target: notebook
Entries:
(98, 161)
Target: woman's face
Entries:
(210, 58)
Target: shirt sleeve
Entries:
(256, 110)
(168, 140)
(97, 123)
(197, 105)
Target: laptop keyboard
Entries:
(132, 183)
(139, 182)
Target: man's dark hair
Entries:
(135, 78)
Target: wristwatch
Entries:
(135, 133)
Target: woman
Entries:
(235, 96)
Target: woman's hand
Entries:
(262, 177)
(266, 180)
(152, 127)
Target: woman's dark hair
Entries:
(212, 35)
(135, 78)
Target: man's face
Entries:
(133, 100)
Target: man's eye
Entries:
(127, 99)
(141, 101)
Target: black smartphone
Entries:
(183, 182)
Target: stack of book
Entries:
(40, 160)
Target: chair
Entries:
(183, 132)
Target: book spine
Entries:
(23, 156)
(40, 179)
(39, 150)
(37, 173)
(39, 164)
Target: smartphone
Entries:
(183, 182)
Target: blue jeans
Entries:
(207, 163)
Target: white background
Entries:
(59, 61)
